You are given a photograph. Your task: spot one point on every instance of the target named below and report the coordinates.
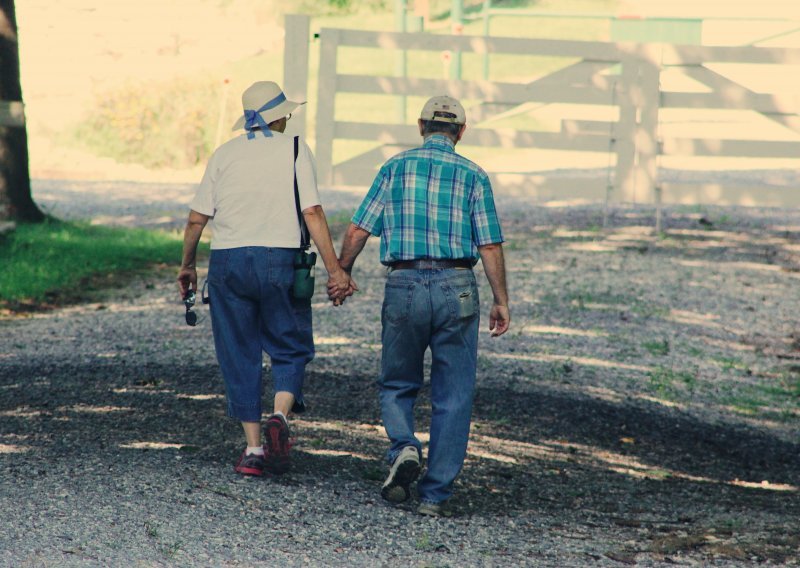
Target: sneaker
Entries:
(434, 509)
(276, 432)
(403, 473)
(250, 464)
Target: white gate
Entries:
(622, 80)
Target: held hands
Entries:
(340, 287)
(499, 319)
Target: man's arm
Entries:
(353, 243)
(495, 269)
(339, 282)
(187, 275)
(354, 240)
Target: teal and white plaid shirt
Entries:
(430, 202)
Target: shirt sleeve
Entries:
(203, 201)
(369, 215)
(306, 176)
(485, 223)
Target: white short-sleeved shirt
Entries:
(248, 191)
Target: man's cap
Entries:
(444, 109)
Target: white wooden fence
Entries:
(623, 78)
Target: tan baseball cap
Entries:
(444, 109)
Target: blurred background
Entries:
(145, 89)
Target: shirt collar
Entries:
(439, 141)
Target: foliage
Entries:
(174, 124)
(41, 260)
(329, 7)
(156, 125)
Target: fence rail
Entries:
(620, 79)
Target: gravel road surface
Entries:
(644, 410)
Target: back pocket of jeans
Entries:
(462, 297)
(466, 304)
(397, 302)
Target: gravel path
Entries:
(644, 409)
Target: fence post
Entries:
(400, 9)
(326, 103)
(637, 129)
(457, 28)
(295, 68)
(487, 22)
(625, 133)
(647, 142)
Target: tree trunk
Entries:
(16, 203)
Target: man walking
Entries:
(435, 214)
(252, 192)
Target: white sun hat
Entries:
(444, 109)
(263, 102)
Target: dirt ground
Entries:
(644, 409)
(648, 382)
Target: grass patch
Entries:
(728, 364)
(777, 397)
(669, 383)
(658, 348)
(43, 262)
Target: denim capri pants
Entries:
(252, 310)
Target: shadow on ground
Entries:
(576, 462)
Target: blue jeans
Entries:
(438, 309)
(252, 309)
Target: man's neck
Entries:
(442, 135)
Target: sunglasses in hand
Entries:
(188, 302)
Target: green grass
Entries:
(658, 348)
(39, 260)
(776, 396)
(672, 384)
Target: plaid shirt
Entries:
(430, 202)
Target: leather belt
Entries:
(431, 263)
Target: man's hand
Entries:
(340, 286)
(499, 319)
(187, 280)
(495, 268)
(354, 240)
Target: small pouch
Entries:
(303, 285)
(466, 304)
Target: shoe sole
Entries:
(277, 459)
(396, 491)
(248, 471)
(434, 511)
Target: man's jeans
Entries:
(252, 309)
(437, 309)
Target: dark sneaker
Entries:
(276, 431)
(250, 464)
(403, 473)
(434, 509)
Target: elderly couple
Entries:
(435, 215)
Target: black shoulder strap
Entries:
(304, 238)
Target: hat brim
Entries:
(272, 114)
